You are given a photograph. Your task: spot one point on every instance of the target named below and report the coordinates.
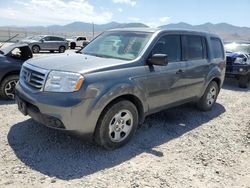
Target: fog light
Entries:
(241, 69)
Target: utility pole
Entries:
(93, 29)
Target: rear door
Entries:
(47, 43)
(165, 83)
(197, 64)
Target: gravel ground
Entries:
(179, 147)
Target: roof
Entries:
(153, 30)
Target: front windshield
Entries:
(238, 47)
(37, 38)
(118, 45)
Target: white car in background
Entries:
(77, 41)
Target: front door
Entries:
(165, 83)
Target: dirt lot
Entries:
(179, 147)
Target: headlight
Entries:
(240, 60)
(59, 81)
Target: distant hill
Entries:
(226, 31)
(87, 27)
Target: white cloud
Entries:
(47, 12)
(164, 19)
(134, 19)
(120, 10)
(128, 2)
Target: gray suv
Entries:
(46, 43)
(122, 76)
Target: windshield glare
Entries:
(37, 38)
(235, 47)
(118, 45)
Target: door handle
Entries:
(180, 71)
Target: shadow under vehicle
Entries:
(11, 60)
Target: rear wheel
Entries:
(244, 81)
(208, 100)
(117, 125)
(35, 49)
(7, 87)
(62, 49)
(72, 45)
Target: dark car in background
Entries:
(11, 60)
(238, 62)
(46, 43)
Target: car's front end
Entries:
(238, 64)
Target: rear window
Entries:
(217, 48)
(195, 48)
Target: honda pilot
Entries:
(122, 76)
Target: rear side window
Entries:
(195, 47)
(56, 39)
(217, 48)
(169, 45)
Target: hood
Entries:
(9, 48)
(75, 63)
(28, 41)
(232, 55)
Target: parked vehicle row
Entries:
(122, 76)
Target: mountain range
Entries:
(227, 31)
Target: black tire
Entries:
(7, 87)
(51, 51)
(104, 133)
(208, 99)
(61, 49)
(244, 81)
(72, 45)
(35, 49)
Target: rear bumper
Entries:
(59, 112)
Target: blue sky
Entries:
(150, 12)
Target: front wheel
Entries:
(7, 87)
(117, 125)
(35, 49)
(208, 100)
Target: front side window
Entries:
(118, 45)
(217, 48)
(169, 45)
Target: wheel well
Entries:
(135, 100)
(218, 81)
(9, 74)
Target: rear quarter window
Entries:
(217, 48)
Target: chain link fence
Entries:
(7, 33)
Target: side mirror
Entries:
(42, 40)
(158, 59)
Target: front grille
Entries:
(230, 60)
(33, 77)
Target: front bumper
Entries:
(237, 70)
(59, 110)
